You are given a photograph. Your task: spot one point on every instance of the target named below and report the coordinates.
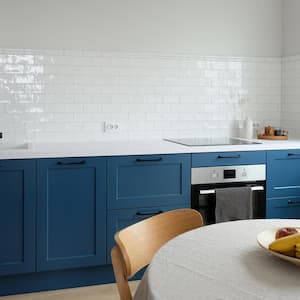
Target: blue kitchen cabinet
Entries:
(287, 208)
(214, 159)
(283, 173)
(17, 216)
(121, 218)
(148, 180)
(283, 184)
(71, 224)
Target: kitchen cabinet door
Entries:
(148, 180)
(214, 159)
(283, 173)
(283, 208)
(17, 216)
(71, 213)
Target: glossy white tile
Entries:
(52, 95)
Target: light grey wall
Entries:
(291, 27)
(207, 27)
(290, 106)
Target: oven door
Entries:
(204, 199)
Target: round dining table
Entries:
(221, 261)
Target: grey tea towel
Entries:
(233, 204)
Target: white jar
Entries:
(248, 129)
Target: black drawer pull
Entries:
(231, 156)
(293, 154)
(295, 203)
(82, 162)
(148, 213)
(149, 159)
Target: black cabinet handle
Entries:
(231, 156)
(293, 154)
(148, 213)
(60, 163)
(148, 160)
(295, 203)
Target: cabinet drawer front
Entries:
(286, 208)
(283, 173)
(71, 213)
(228, 158)
(145, 181)
(17, 216)
(119, 219)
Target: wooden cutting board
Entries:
(272, 137)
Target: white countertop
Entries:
(137, 147)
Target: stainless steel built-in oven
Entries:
(205, 181)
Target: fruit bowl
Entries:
(266, 237)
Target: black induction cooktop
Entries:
(210, 141)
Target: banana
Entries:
(291, 253)
(297, 250)
(286, 243)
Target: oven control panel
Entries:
(203, 175)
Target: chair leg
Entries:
(118, 266)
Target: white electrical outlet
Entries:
(256, 124)
(111, 127)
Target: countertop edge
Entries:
(127, 148)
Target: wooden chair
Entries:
(137, 244)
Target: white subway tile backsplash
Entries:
(48, 95)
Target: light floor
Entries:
(96, 292)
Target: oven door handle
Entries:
(253, 188)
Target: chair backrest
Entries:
(137, 244)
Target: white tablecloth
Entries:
(221, 261)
